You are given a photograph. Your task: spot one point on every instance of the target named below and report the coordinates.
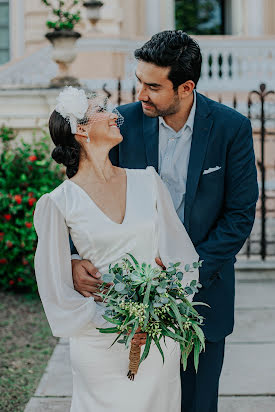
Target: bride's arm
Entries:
(67, 311)
(174, 244)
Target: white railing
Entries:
(234, 63)
(229, 63)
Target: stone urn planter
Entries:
(64, 53)
(93, 11)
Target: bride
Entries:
(108, 211)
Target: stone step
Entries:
(226, 404)
(253, 325)
(57, 379)
(246, 404)
(255, 294)
(249, 369)
(48, 405)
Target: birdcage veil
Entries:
(78, 107)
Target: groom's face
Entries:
(155, 90)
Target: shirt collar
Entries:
(189, 122)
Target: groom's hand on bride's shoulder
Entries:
(86, 278)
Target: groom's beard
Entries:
(154, 111)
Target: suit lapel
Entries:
(202, 127)
(151, 140)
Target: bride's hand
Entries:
(86, 278)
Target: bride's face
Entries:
(102, 127)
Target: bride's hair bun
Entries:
(58, 154)
(67, 150)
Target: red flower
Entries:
(7, 217)
(20, 280)
(9, 244)
(31, 201)
(32, 158)
(18, 199)
(3, 261)
(30, 168)
(1, 236)
(28, 224)
(25, 262)
(30, 194)
(11, 282)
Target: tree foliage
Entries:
(195, 16)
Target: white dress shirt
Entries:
(174, 154)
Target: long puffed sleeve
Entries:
(174, 244)
(68, 312)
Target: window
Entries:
(4, 32)
(200, 16)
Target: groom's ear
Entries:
(185, 89)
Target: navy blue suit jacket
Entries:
(219, 206)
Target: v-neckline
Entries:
(99, 209)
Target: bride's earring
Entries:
(88, 138)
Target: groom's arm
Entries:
(241, 194)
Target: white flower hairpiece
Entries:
(72, 104)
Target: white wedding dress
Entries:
(150, 228)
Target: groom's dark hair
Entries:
(175, 49)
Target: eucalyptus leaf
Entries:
(161, 290)
(119, 287)
(187, 267)
(146, 348)
(199, 334)
(134, 260)
(130, 336)
(188, 290)
(179, 275)
(108, 277)
(111, 320)
(197, 350)
(159, 348)
(157, 305)
(135, 277)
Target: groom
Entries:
(203, 151)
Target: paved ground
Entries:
(248, 378)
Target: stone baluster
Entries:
(215, 65)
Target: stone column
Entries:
(254, 18)
(167, 14)
(153, 17)
(235, 17)
(17, 29)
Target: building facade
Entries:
(241, 50)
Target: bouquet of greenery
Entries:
(152, 300)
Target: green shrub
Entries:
(26, 173)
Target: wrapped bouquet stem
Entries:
(134, 359)
(152, 300)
